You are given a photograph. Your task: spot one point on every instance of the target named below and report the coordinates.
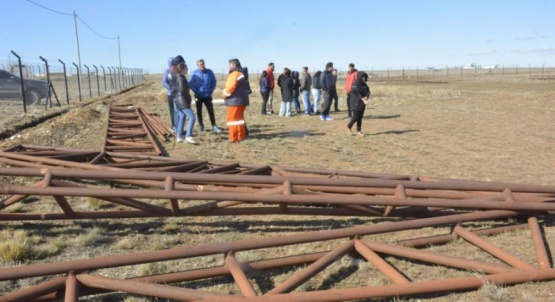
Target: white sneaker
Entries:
(190, 140)
(179, 140)
(216, 129)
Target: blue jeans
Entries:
(306, 102)
(182, 114)
(296, 103)
(317, 94)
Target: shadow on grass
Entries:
(380, 117)
(140, 226)
(396, 132)
(257, 132)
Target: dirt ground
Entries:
(487, 128)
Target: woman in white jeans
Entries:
(316, 90)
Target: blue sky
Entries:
(371, 34)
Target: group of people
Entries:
(236, 92)
(203, 83)
(322, 85)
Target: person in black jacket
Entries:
(316, 91)
(296, 92)
(335, 96)
(264, 91)
(286, 84)
(182, 104)
(328, 91)
(360, 94)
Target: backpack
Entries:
(316, 80)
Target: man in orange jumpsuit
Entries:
(236, 97)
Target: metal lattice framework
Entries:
(138, 183)
(234, 189)
(81, 278)
(132, 129)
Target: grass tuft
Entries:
(18, 247)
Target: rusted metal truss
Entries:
(360, 245)
(131, 129)
(164, 187)
(138, 185)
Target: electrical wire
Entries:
(65, 14)
(108, 38)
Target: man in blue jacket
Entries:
(203, 83)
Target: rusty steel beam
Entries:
(127, 131)
(474, 203)
(218, 248)
(159, 127)
(254, 180)
(241, 190)
(159, 285)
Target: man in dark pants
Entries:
(203, 83)
(350, 79)
(328, 91)
(335, 96)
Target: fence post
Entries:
(133, 75)
(122, 78)
(21, 80)
(89, 78)
(65, 80)
(104, 77)
(48, 96)
(113, 80)
(118, 77)
(123, 82)
(97, 81)
(78, 80)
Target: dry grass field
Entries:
(488, 128)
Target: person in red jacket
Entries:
(236, 97)
(271, 81)
(350, 79)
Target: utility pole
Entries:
(78, 50)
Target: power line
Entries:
(65, 14)
(108, 38)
